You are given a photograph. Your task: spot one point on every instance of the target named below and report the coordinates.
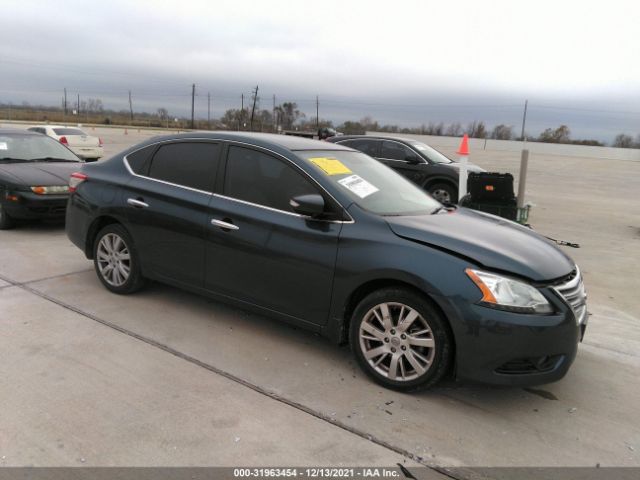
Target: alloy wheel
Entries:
(397, 341)
(114, 259)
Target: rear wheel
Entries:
(116, 261)
(443, 192)
(6, 222)
(400, 340)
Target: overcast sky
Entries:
(402, 62)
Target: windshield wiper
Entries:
(445, 206)
(13, 160)
(52, 159)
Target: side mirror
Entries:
(309, 205)
(412, 159)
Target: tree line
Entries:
(288, 116)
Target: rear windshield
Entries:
(68, 131)
(369, 183)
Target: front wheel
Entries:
(443, 192)
(116, 261)
(400, 340)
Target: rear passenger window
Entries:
(262, 179)
(365, 146)
(139, 161)
(396, 151)
(189, 164)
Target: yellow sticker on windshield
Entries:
(330, 166)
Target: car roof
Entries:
(373, 137)
(265, 140)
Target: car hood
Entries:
(38, 173)
(470, 167)
(491, 241)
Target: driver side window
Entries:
(259, 178)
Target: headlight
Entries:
(508, 294)
(51, 190)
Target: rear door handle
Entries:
(224, 225)
(137, 203)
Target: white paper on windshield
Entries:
(358, 185)
(3, 146)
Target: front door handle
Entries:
(137, 203)
(224, 225)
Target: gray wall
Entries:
(632, 154)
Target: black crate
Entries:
(490, 187)
(508, 210)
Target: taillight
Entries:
(100, 142)
(63, 140)
(76, 179)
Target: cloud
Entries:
(364, 52)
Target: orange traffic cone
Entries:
(464, 146)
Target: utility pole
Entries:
(193, 106)
(78, 111)
(317, 113)
(241, 111)
(130, 108)
(524, 162)
(524, 119)
(253, 109)
(65, 101)
(209, 110)
(273, 114)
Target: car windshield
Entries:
(68, 131)
(31, 148)
(370, 184)
(431, 153)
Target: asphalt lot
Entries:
(165, 377)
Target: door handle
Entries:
(137, 203)
(224, 225)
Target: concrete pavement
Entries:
(98, 372)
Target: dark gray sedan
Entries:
(327, 238)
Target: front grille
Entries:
(54, 210)
(572, 290)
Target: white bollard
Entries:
(463, 151)
(462, 181)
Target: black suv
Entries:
(420, 163)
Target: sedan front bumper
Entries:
(505, 348)
(32, 206)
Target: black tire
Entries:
(6, 222)
(440, 354)
(443, 192)
(132, 282)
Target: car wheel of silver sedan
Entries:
(400, 339)
(115, 260)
